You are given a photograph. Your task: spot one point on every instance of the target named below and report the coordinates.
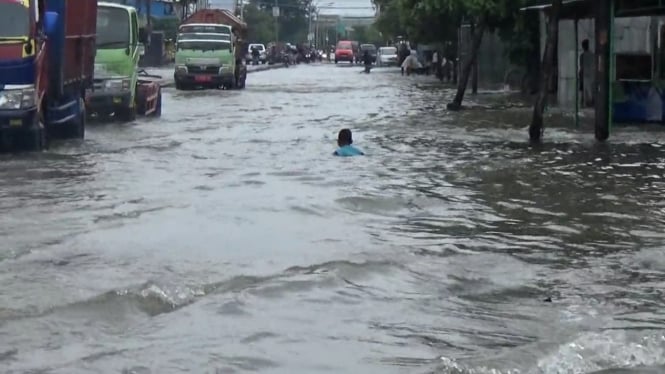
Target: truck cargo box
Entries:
(222, 16)
(72, 53)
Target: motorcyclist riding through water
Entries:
(286, 60)
(367, 60)
(255, 55)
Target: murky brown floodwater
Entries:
(226, 237)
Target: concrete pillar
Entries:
(603, 96)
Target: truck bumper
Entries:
(348, 58)
(17, 119)
(105, 103)
(213, 80)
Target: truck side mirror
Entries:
(143, 36)
(50, 23)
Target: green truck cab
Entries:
(206, 56)
(118, 89)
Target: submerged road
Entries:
(225, 237)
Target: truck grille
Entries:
(212, 69)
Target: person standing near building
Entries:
(587, 73)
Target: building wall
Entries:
(493, 61)
(631, 35)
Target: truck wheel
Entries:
(240, 82)
(180, 86)
(35, 138)
(76, 128)
(141, 104)
(127, 114)
(158, 106)
(80, 125)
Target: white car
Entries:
(387, 56)
(262, 55)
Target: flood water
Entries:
(225, 238)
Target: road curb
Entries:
(168, 82)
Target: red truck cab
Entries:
(344, 51)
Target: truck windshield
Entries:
(204, 45)
(112, 28)
(217, 29)
(206, 36)
(14, 20)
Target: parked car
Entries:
(262, 50)
(344, 51)
(387, 56)
(371, 48)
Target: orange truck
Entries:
(210, 51)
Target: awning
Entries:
(581, 9)
(549, 5)
(571, 9)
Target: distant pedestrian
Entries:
(436, 64)
(410, 64)
(444, 67)
(345, 141)
(587, 73)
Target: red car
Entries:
(344, 51)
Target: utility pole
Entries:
(309, 24)
(275, 14)
(148, 13)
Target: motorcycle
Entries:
(286, 60)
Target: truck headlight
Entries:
(181, 69)
(18, 99)
(224, 69)
(116, 84)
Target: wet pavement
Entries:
(224, 237)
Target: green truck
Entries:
(209, 51)
(120, 90)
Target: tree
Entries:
(261, 24)
(439, 21)
(366, 34)
(536, 127)
(292, 21)
(482, 15)
(428, 24)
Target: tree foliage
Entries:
(293, 21)
(367, 34)
(438, 20)
(261, 24)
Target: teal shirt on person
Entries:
(348, 151)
